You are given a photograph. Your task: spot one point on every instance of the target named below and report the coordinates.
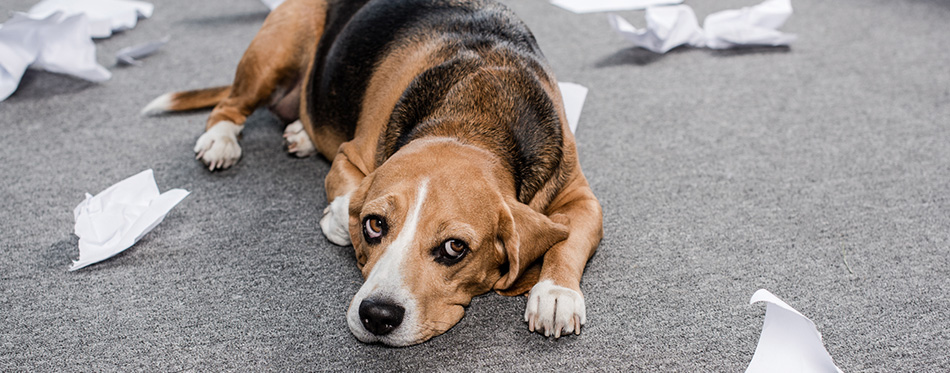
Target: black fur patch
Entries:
(488, 91)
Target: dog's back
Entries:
(486, 77)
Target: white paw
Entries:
(298, 142)
(218, 147)
(336, 220)
(554, 309)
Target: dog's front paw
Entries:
(554, 309)
(218, 147)
(336, 221)
(298, 142)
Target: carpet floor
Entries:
(820, 172)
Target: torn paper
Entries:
(105, 16)
(56, 35)
(755, 25)
(667, 27)
(574, 95)
(118, 217)
(591, 6)
(131, 55)
(790, 342)
(272, 4)
(673, 26)
(56, 43)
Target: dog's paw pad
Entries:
(336, 221)
(298, 142)
(555, 310)
(218, 147)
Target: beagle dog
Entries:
(453, 169)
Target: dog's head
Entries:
(432, 228)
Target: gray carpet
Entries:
(820, 172)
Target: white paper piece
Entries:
(118, 217)
(667, 27)
(591, 6)
(790, 342)
(130, 55)
(105, 16)
(57, 43)
(272, 4)
(755, 25)
(574, 95)
(673, 26)
(17, 51)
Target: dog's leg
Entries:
(274, 62)
(556, 304)
(343, 178)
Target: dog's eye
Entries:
(374, 228)
(451, 251)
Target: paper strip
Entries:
(790, 342)
(574, 95)
(131, 55)
(118, 217)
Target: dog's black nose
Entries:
(380, 317)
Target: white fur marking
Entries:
(554, 309)
(386, 279)
(336, 220)
(159, 105)
(218, 146)
(298, 142)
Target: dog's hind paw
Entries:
(298, 142)
(218, 147)
(555, 310)
(336, 221)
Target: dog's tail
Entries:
(187, 100)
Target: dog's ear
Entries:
(524, 235)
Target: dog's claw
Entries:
(218, 147)
(298, 142)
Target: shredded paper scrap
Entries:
(671, 26)
(790, 342)
(118, 217)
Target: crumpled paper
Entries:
(118, 217)
(56, 35)
(790, 342)
(56, 43)
(672, 26)
(105, 16)
(591, 6)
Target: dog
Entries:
(453, 170)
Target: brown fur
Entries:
(520, 231)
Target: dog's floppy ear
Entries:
(524, 235)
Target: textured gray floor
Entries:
(820, 172)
